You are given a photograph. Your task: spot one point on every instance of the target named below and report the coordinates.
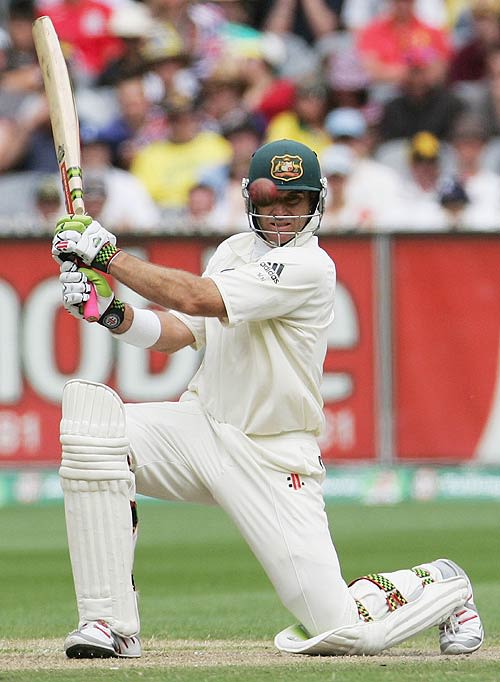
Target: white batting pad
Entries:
(97, 486)
(435, 604)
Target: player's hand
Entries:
(67, 232)
(76, 284)
(75, 289)
(93, 244)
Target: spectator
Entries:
(48, 202)
(337, 164)
(220, 99)
(418, 208)
(424, 103)
(468, 142)
(267, 93)
(488, 103)
(245, 138)
(371, 184)
(470, 61)
(25, 134)
(309, 19)
(127, 204)
(168, 62)
(138, 122)
(82, 26)
(306, 120)
(170, 168)
(385, 42)
(202, 213)
(462, 214)
(356, 14)
(131, 21)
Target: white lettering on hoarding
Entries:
(19, 432)
(10, 357)
(343, 334)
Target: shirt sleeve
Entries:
(278, 287)
(196, 325)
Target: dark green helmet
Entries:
(290, 165)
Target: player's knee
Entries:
(93, 433)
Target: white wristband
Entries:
(144, 331)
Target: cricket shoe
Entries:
(97, 640)
(462, 632)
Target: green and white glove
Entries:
(76, 291)
(79, 236)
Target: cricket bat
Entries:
(65, 128)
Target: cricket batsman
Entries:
(243, 435)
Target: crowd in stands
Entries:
(400, 99)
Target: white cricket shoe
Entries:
(97, 640)
(463, 632)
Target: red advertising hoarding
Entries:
(446, 347)
(41, 347)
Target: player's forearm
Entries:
(167, 287)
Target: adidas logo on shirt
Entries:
(274, 270)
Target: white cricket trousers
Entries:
(178, 453)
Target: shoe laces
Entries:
(459, 619)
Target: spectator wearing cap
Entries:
(127, 204)
(170, 168)
(168, 64)
(468, 144)
(371, 183)
(132, 22)
(424, 102)
(420, 208)
(462, 214)
(342, 213)
(220, 98)
(384, 43)
(305, 121)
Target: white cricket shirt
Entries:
(262, 367)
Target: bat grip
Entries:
(90, 307)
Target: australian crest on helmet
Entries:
(286, 167)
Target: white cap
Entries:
(131, 19)
(337, 159)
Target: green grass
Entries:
(198, 581)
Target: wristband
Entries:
(104, 257)
(144, 331)
(114, 315)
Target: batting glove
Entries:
(76, 284)
(85, 238)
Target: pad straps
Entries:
(393, 597)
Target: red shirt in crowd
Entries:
(390, 41)
(83, 25)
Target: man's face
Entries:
(286, 216)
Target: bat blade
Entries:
(63, 115)
(64, 122)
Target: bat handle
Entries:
(90, 307)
